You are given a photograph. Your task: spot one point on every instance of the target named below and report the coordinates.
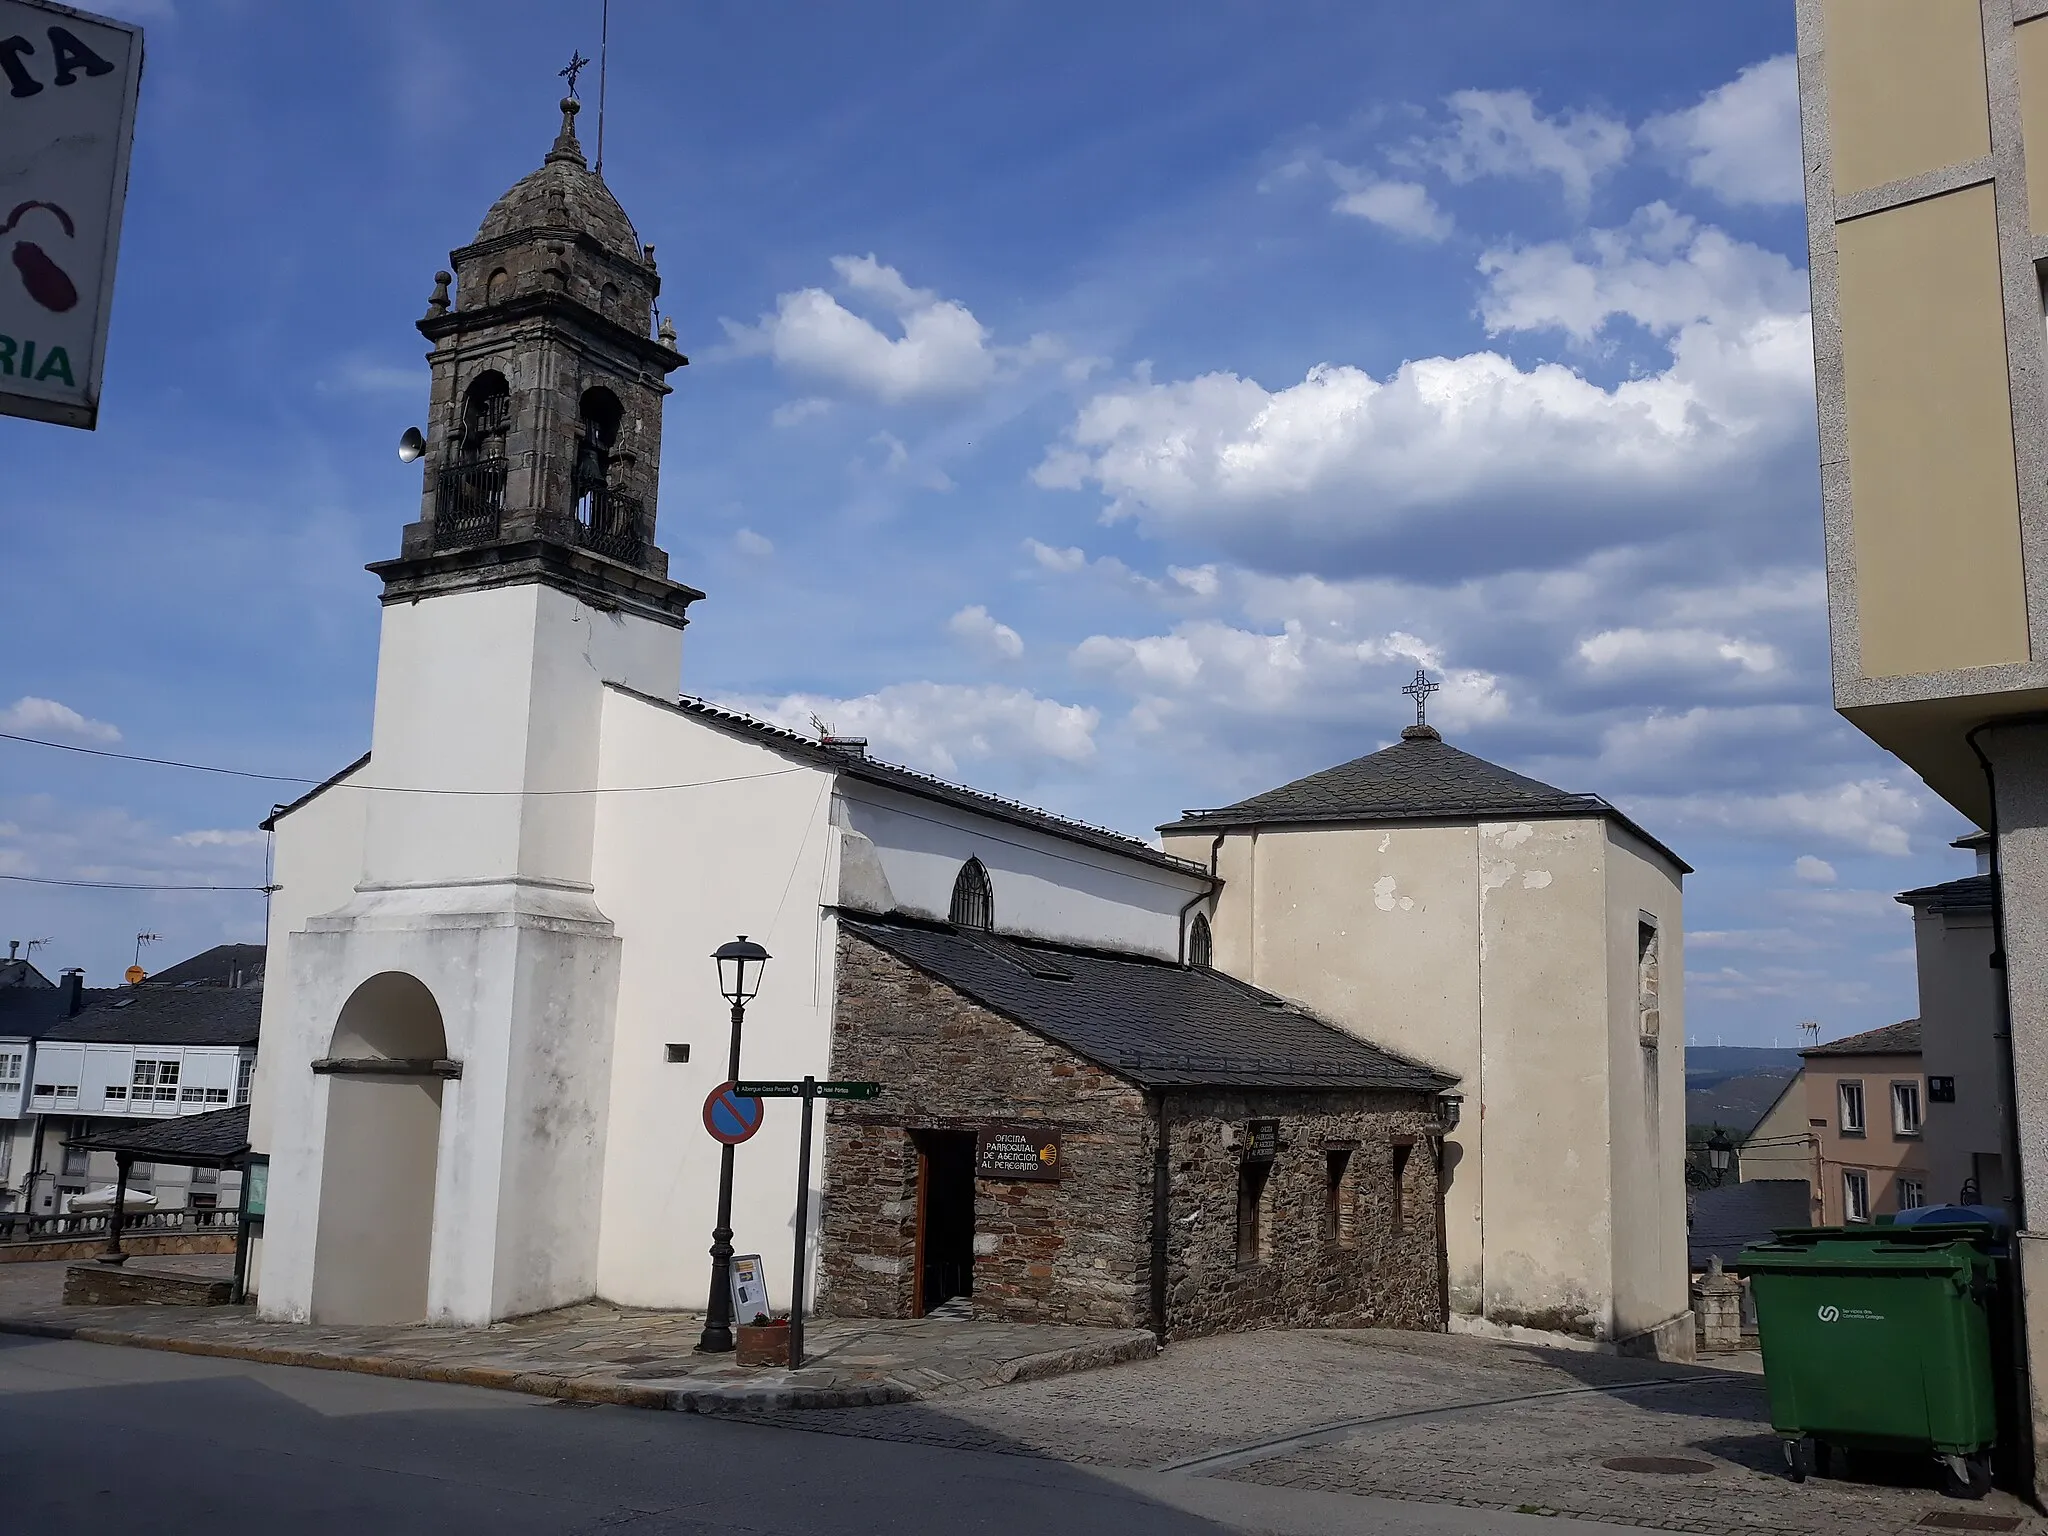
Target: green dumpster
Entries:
(1881, 1338)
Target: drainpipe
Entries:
(1162, 1208)
(1200, 896)
(2022, 1408)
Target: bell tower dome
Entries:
(544, 431)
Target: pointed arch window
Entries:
(1201, 945)
(974, 904)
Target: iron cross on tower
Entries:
(577, 64)
(1419, 691)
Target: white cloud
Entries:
(1874, 815)
(939, 349)
(978, 629)
(1813, 871)
(364, 376)
(1403, 207)
(1342, 456)
(1500, 133)
(898, 460)
(31, 716)
(219, 837)
(1741, 141)
(1662, 269)
(1628, 652)
(791, 412)
(1206, 665)
(940, 726)
(1668, 746)
(1062, 560)
(757, 546)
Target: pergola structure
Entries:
(218, 1139)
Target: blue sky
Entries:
(1104, 405)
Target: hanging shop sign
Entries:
(68, 87)
(1017, 1152)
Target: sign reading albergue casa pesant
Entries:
(68, 87)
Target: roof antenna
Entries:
(604, 37)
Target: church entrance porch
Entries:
(945, 1218)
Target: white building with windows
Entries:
(142, 1053)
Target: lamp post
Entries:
(1720, 1151)
(739, 978)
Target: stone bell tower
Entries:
(544, 436)
(444, 1037)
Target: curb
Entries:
(722, 1400)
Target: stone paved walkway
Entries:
(594, 1352)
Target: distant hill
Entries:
(1733, 1085)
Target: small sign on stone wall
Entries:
(1017, 1152)
(1261, 1141)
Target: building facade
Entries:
(1529, 942)
(1925, 129)
(1866, 1101)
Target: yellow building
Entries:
(1926, 137)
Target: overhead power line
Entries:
(130, 885)
(391, 789)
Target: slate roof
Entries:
(167, 1016)
(30, 1013)
(1969, 894)
(280, 812)
(1151, 1022)
(218, 1136)
(221, 966)
(1726, 1220)
(1901, 1039)
(19, 973)
(1420, 777)
(869, 770)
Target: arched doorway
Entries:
(377, 1170)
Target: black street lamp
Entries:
(1720, 1151)
(739, 977)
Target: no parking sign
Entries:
(731, 1116)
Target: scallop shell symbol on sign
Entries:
(1830, 1314)
(47, 283)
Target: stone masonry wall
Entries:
(1072, 1251)
(1080, 1250)
(1382, 1264)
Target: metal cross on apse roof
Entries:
(577, 64)
(1419, 691)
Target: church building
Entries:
(1113, 1089)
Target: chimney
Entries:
(71, 992)
(13, 948)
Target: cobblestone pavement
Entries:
(1546, 1454)
(592, 1352)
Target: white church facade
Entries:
(491, 1019)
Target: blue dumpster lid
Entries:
(1954, 1215)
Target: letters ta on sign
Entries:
(1017, 1152)
(68, 88)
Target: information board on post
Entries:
(69, 81)
(749, 1288)
(1017, 1152)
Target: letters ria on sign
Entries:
(68, 86)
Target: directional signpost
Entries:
(809, 1090)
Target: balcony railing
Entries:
(468, 503)
(614, 526)
(20, 1226)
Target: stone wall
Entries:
(1072, 1251)
(1080, 1250)
(1365, 1258)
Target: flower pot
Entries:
(767, 1344)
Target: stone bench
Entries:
(107, 1285)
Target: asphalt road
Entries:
(96, 1439)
